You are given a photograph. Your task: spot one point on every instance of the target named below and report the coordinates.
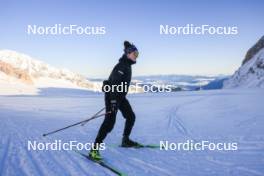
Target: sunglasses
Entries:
(136, 53)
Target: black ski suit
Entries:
(121, 74)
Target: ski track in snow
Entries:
(4, 152)
(175, 121)
(174, 117)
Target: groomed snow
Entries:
(217, 116)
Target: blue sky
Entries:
(136, 21)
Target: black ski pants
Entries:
(109, 120)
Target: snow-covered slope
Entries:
(249, 75)
(251, 72)
(27, 71)
(12, 86)
(216, 116)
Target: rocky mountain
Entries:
(254, 50)
(17, 68)
(251, 72)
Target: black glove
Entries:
(113, 106)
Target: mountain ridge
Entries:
(251, 73)
(16, 67)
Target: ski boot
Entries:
(126, 142)
(95, 155)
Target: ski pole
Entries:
(93, 116)
(84, 121)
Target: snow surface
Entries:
(13, 86)
(231, 115)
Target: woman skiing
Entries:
(116, 100)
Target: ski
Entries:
(102, 163)
(153, 146)
(145, 146)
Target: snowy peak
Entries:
(31, 71)
(17, 73)
(251, 73)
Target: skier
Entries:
(116, 100)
